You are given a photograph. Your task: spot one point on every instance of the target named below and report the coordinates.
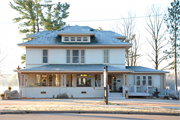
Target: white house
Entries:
(71, 60)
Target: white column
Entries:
(92, 80)
(74, 80)
(102, 80)
(63, 80)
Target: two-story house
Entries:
(71, 60)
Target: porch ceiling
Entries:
(62, 68)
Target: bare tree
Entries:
(157, 41)
(127, 28)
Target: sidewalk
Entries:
(138, 106)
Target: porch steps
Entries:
(117, 96)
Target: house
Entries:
(71, 60)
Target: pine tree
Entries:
(29, 15)
(172, 20)
(52, 20)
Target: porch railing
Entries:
(138, 89)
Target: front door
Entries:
(112, 83)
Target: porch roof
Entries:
(140, 69)
(74, 68)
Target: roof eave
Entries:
(75, 33)
(70, 45)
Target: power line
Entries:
(100, 19)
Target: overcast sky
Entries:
(93, 13)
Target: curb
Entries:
(93, 112)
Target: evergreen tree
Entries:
(172, 20)
(29, 18)
(52, 20)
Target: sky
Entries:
(93, 13)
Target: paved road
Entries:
(67, 116)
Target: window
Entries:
(75, 56)
(82, 56)
(144, 80)
(106, 56)
(138, 80)
(83, 82)
(68, 56)
(149, 80)
(66, 38)
(85, 38)
(75, 39)
(72, 38)
(141, 80)
(78, 38)
(45, 56)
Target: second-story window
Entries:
(75, 56)
(45, 56)
(106, 56)
(82, 56)
(68, 56)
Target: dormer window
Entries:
(75, 39)
(85, 38)
(66, 39)
(78, 39)
(72, 38)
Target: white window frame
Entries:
(47, 56)
(108, 56)
(71, 57)
(141, 80)
(82, 39)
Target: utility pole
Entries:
(105, 73)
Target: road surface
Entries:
(73, 116)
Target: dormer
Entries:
(76, 34)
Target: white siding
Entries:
(157, 81)
(94, 56)
(117, 56)
(57, 56)
(33, 56)
(131, 79)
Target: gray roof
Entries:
(144, 69)
(70, 67)
(100, 37)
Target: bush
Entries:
(62, 96)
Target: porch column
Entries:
(74, 80)
(102, 81)
(92, 80)
(63, 80)
(23, 80)
(125, 79)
